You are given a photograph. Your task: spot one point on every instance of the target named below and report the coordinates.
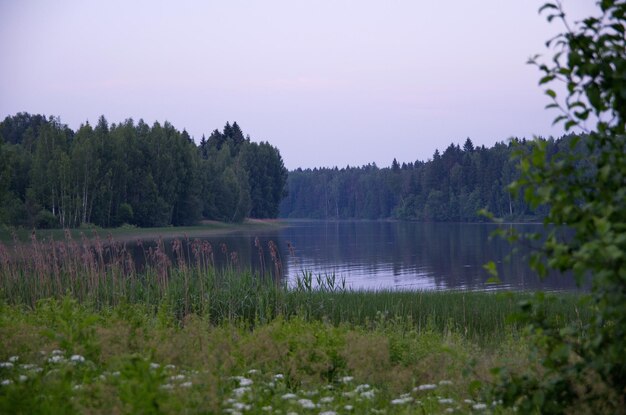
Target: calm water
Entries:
(395, 255)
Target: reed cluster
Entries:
(184, 279)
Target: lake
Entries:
(385, 255)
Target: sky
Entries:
(328, 82)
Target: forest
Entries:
(453, 186)
(132, 173)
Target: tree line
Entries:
(453, 186)
(132, 173)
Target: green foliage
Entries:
(581, 366)
(108, 175)
(451, 187)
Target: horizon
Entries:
(328, 84)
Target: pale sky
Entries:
(327, 82)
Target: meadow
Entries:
(83, 330)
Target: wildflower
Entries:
(23, 378)
(77, 387)
(279, 376)
(450, 410)
(346, 379)
(6, 365)
(362, 387)
(311, 393)
(167, 386)
(154, 366)
(252, 372)
(14, 359)
(348, 407)
(368, 394)
(426, 387)
(266, 408)
(445, 382)
(327, 399)
(241, 391)
(76, 358)
(56, 352)
(186, 385)
(328, 413)
(6, 382)
(306, 403)
(468, 401)
(56, 358)
(115, 374)
(401, 401)
(177, 377)
(170, 367)
(245, 382)
(479, 406)
(241, 406)
(289, 396)
(446, 401)
(349, 394)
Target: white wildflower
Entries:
(327, 399)
(167, 386)
(154, 366)
(76, 358)
(241, 406)
(14, 359)
(349, 394)
(177, 377)
(232, 411)
(450, 410)
(279, 376)
(170, 367)
(115, 374)
(6, 382)
(56, 352)
(266, 408)
(446, 401)
(77, 387)
(245, 382)
(362, 387)
(306, 403)
(347, 379)
(311, 393)
(368, 394)
(252, 372)
(241, 391)
(6, 365)
(328, 413)
(445, 382)
(401, 401)
(426, 387)
(468, 401)
(37, 370)
(479, 406)
(288, 396)
(348, 407)
(292, 413)
(186, 385)
(56, 358)
(23, 378)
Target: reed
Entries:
(103, 274)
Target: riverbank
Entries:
(132, 233)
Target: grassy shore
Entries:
(82, 331)
(132, 233)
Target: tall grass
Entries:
(104, 274)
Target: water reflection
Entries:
(376, 254)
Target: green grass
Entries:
(65, 357)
